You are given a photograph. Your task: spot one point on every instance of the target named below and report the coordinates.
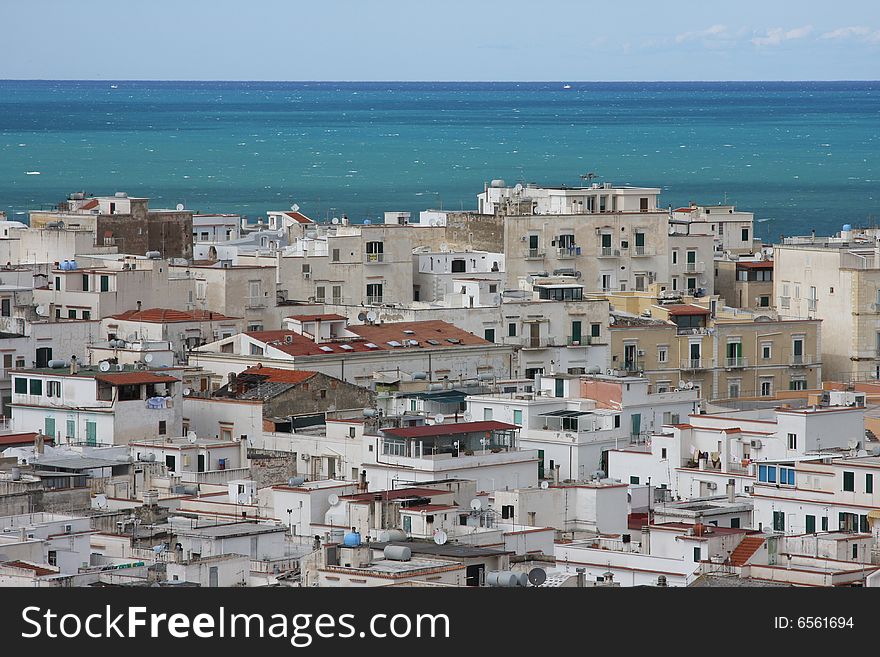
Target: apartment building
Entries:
(691, 252)
(837, 280)
(733, 229)
(722, 352)
(96, 405)
(745, 283)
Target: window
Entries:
(487, 414)
(36, 386)
(87, 314)
(320, 294)
(734, 523)
(674, 256)
(767, 474)
(616, 421)
(489, 334)
(696, 554)
(766, 350)
(337, 294)
(53, 388)
(104, 283)
(21, 386)
(517, 418)
(849, 483)
(162, 427)
(53, 558)
(374, 293)
(745, 234)
(634, 481)
(792, 441)
(662, 354)
(85, 279)
(663, 453)
(256, 350)
(7, 361)
(825, 524)
(594, 330)
(511, 330)
(766, 387)
(810, 524)
(71, 313)
(779, 521)
(786, 476)
(869, 483)
(335, 255)
(6, 307)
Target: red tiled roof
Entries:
(451, 429)
(89, 205)
(426, 508)
(16, 439)
(744, 551)
(636, 520)
(299, 217)
(39, 571)
(763, 264)
(132, 378)
(686, 309)
(278, 375)
(380, 335)
(167, 315)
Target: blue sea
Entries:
(801, 156)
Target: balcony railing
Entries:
(580, 340)
(696, 364)
(374, 300)
(539, 343)
(566, 252)
(736, 362)
(608, 252)
(801, 360)
(534, 254)
(694, 267)
(641, 250)
(254, 302)
(374, 258)
(633, 364)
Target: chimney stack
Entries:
(74, 368)
(731, 490)
(139, 306)
(39, 443)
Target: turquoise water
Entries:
(800, 155)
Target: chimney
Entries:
(74, 367)
(581, 577)
(243, 442)
(138, 306)
(731, 490)
(39, 443)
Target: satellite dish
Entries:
(294, 207)
(148, 358)
(476, 504)
(192, 436)
(101, 501)
(440, 537)
(180, 207)
(681, 383)
(334, 221)
(187, 392)
(537, 576)
(104, 366)
(362, 317)
(439, 418)
(41, 311)
(372, 316)
(333, 499)
(120, 367)
(545, 485)
(444, 246)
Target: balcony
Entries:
(580, 340)
(736, 362)
(534, 254)
(696, 364)
(642, 251)
(374, 300)
(374, 258)
(539, 343)
(633, 365)
(694, 267)
(609, 252)
(254, 302)
(801, 360)
(568, 252)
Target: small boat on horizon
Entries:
(32, 173)
(566, 86)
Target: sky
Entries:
(454, 40)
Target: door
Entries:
(695, 354)
(540, 464)
(533, 245)
(811, 524)
(534, 334)
(201, 463)
(636, 424)
(575, 332)
(49, 427)
(91, 433)
(798, 351)
(474, 574)
(44, 355)
(629, 357)
(560, 387)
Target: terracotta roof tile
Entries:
(278, 375)
(132, 378)
(167, 316)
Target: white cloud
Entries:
(777, 35)
(857, 32)
(713, 31)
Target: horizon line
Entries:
(378, 81)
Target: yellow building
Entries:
(723, 352)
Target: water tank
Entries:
(367, 222)
(64, 266)
(121, 195)
(498, 182)
(397, 553)
(16, 474)
(351, 539)
(72, 264)
(369, 412)
(847, 227)
(153, 255)
(391, 535)
(503, 578)
(293, 482)
(419, 376)
(58, 364)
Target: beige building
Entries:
(835, 279)
(732, 228)
(745, 283)
(723, 352)
(691, 252)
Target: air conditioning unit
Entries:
(747, 489)
(756, 444)
(307, 274)
(68, 529)
(305, 457)
(641, 352)
(711, 485)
